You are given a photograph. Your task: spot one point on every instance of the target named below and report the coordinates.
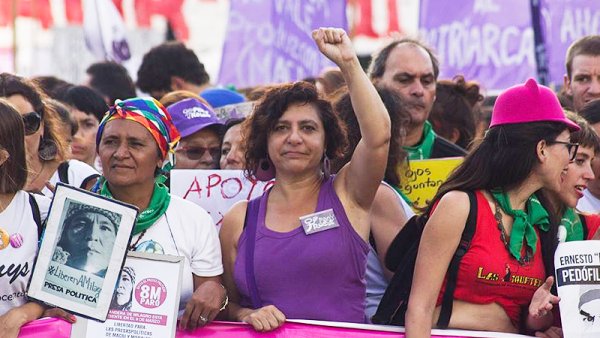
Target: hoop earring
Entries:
(326, 166)
(47, 149)
(265, 170)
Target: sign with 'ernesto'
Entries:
(578, 280)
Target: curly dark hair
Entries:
(400, 119)
(166, 60)
(273, 105)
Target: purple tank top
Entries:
(319, 276)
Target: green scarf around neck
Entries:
(572, 222)
(159, 202)
(422, 151)
(523, 225)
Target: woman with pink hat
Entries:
(527, 148)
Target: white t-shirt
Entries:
(376, 281)
(16, 263)
(185, 230)
(589, 203)
(77, 174)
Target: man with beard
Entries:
(410, 68)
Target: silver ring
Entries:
(203, 319)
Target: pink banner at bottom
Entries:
(319, 329)
(47, 327)
(57, 328)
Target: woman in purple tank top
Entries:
(300, 250)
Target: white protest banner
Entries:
(215, 190)
(578, 280)
(145, 301)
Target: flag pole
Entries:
(13, 10)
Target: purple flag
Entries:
(269, 41)
(566, 21)
(489, 41)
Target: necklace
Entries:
(133, 246)
(503, 237)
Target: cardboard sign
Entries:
(145, 301)
(421, 179)
(82, 251)
(215, 190)
(577, 266)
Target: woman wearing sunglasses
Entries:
(18, 229)
(201, 130)
(504, 279)
(46, 145)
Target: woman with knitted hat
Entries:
(135, 142)
(526, 148)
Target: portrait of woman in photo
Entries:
(123, 296)
(87, 238)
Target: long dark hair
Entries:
(13, 172)
(504, 158)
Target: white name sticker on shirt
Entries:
(319, 221)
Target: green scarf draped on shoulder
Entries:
(159, 202)
(523, 225)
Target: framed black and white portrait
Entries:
(82, 251)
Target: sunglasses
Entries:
(196, 153)
(32, 122)
(571, 148)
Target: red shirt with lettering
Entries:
(488, 273)
(593, 223)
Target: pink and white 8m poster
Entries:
(145, 301)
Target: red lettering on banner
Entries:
(236, 180)
(253, 182)
(211, 185)
(220, 221)
(170, 9)
(194, 187)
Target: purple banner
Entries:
(489, 41)
(269, 41)
(566, 21)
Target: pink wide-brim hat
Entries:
(529, 102)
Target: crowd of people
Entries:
(334, 145)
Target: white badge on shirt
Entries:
(319, 221)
